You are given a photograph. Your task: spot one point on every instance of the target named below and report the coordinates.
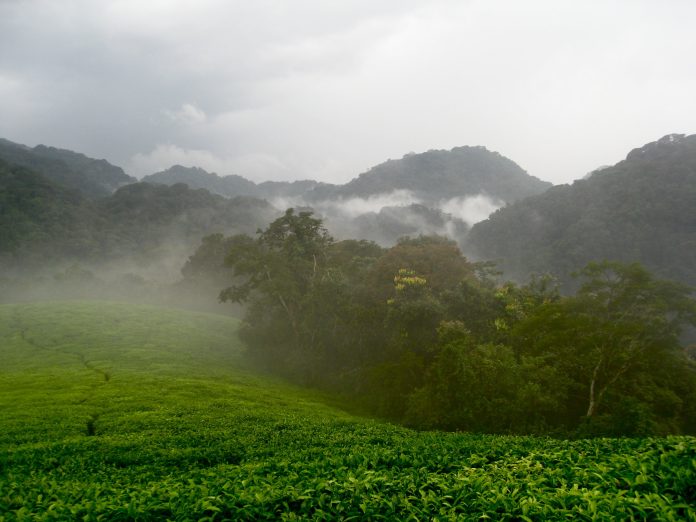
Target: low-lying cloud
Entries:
(354, 207)
(471, 209)
(374, 216)
(165, 155)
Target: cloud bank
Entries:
(376, 217)
(325, 90)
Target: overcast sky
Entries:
(325, 89)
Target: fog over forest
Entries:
(348, 260)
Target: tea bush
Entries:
(182, 431)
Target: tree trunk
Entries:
(592, 408)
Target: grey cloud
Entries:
(280, 90)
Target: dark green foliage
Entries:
(285, 272)
(605, 361)
(617, 341)
(50, 219)
(423, 336)
(35, 212)
(207, 264)
(147, 217)
(91, 424)
(71, 170)
(42, 223)
(482, 388)
(435, 258)
(641, 210)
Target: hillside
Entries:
(43, 224)
(93, 178)
(231, 185)
(641, 209)
(152, 214)
(431, 177)
(437, 191)
(113, 411)
(441, 175)
(34, 211)
(197, 178)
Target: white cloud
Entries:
(164, 156)
(260, 166)
(9, 85)
(282, 203)
(353, 207)
(471, 209)
(187, 114)
(327, 89)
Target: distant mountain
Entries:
(438, 191)
(430, 177)
(148, 214)
(289, 189)
(414, 195)
(35, 213)
(393, 222)
(439, 175)
(641, 209)
(231, 185)
(93, 178)
(45, 224)
(196, 178)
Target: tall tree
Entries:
(283, 274)
(616, 334)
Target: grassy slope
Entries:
(181, 431)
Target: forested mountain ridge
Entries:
(441, 174)
(196, 177)
(44, 223)
(641, 209)
(35, 212)
(93, 178)
(431, 176)
(230, 185)
(149, 215)
(638, 210)
(436, 192)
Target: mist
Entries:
(347, 260)
(151, 277)
(471, 209)
(386, 216)
(354, 207)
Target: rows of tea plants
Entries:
(180, 431)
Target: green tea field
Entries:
(122, 412)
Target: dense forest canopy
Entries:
(43, 222)
(462, 171)
(231, 185)
(92, 178)
(641, 209)
(424, 336)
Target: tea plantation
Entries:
(121, 412)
